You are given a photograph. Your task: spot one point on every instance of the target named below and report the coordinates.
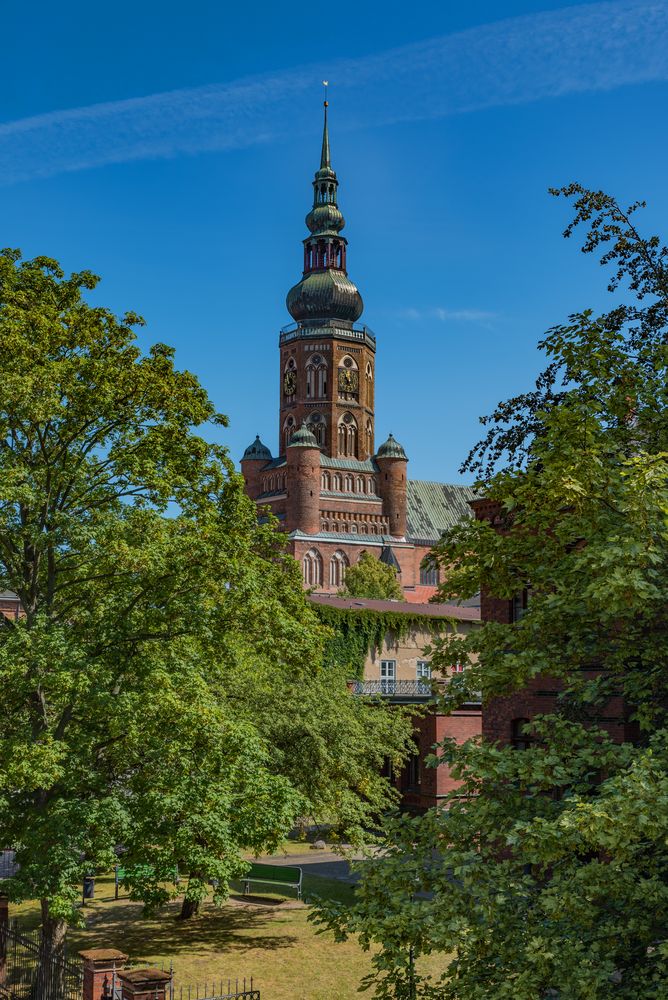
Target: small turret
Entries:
(254, 460)
(392, 463)
(303, 461)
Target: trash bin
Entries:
(89, 887)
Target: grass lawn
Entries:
(270, 940)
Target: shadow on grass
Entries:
(215, 929)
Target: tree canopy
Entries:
(369, 577)
(546, 874)
(166, 646)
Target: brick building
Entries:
(399, 672)
(333, 491)
(504, 719)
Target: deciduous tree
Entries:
(546, 874)
(149, 593)
(369, 577)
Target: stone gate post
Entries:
(98, 971)
(145, 984)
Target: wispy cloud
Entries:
(591, 47)
(480, 316)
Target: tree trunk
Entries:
(190, 907)
(50, 979)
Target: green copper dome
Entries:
(256, 451)
(391, 449)
(325, 295)
(325, 291)
(303, 438)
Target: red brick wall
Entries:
(437, 782)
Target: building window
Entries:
(518, 738)
(288, 431)
(519, 605)
(423, 670)
(388, 676)
(325, 481)
(458, 668)
(428, 575)
(337, 569)
(312, 568)
(348, 436)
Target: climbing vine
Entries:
(356, 633)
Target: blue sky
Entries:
(170, 148)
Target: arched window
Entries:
(325, 481)
(312, 567)
(337, 568)
(347, 436)
(359, 485)
(349, 484)
(371, 485)
(518, 738)
(369, 437)
(316, 424)
(316, 378)
(337, 482)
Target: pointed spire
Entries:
(324, 156)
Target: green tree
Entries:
(150, 596)
(369, 577)
(547, 873)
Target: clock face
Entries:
(290, 383)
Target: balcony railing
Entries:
(394, 689)
(297, 331)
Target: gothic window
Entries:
(428, 575)
(369, 437)
(313, 568)
(337, 482)
(360, 485)
(371, 485)
(316, 425)
(316, 378)
(325, 481)
(348, 436)
(337, 569)
(349, 484)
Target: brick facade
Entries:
(502, 718)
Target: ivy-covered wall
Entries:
(356, 633)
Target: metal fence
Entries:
(23, 974)
(217, 989)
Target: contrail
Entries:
(594, 47)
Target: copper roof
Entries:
(432, 508)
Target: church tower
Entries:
(327, 360)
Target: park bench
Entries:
(283, 875)
(136, 871)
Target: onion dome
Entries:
(325, 295)
(303, 438)
(325, 291)
(391, 449)
(257, 451)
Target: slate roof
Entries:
(349, 464)
(434, 507)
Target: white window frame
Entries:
(423, 670)
(388, 676)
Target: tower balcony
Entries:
(301, 331)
